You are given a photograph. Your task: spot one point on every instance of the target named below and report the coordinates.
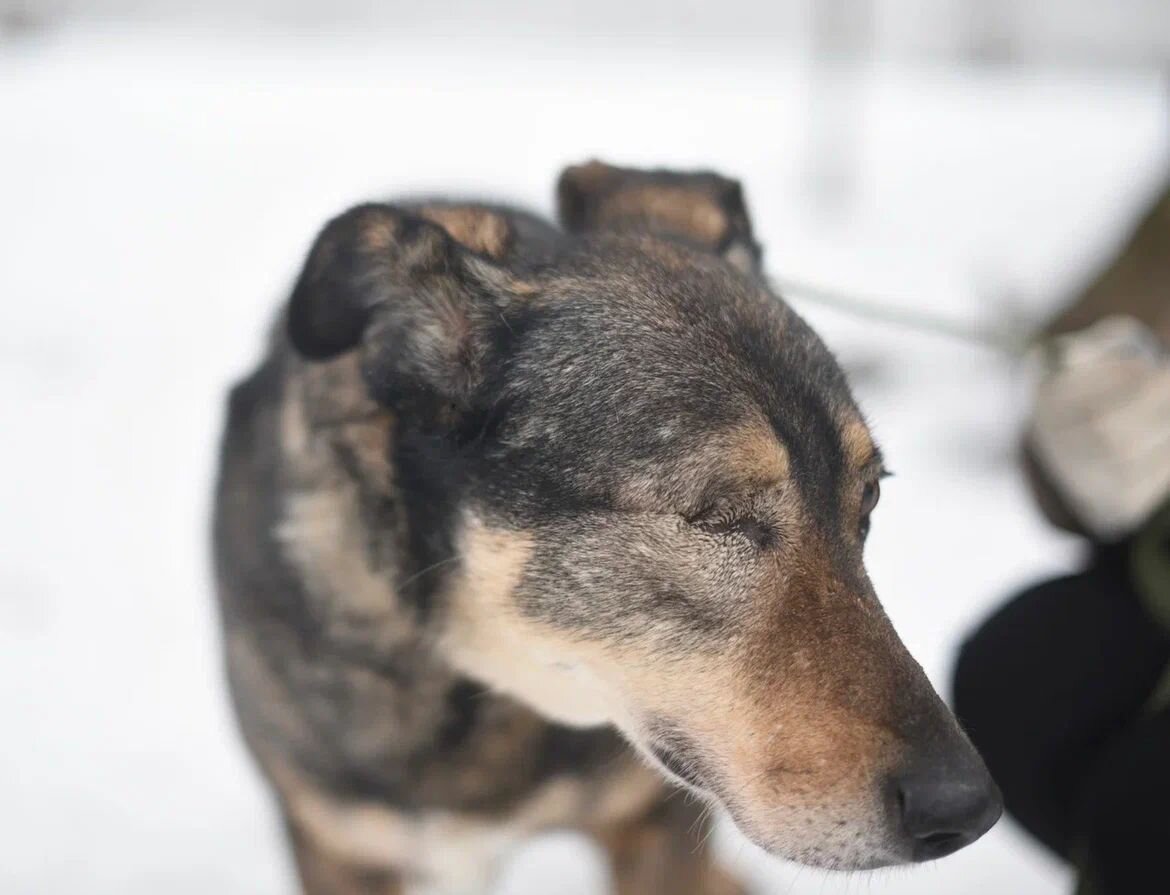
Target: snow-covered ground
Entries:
(157, 190)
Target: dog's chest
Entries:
(442, 852)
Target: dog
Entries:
(522, 527)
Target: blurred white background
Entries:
(163, 168)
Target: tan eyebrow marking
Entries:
(858, 443)
(740, 458)
(755, 456)
(479, 229)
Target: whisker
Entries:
(412, 578)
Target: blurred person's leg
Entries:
(1049, 682)
(1126, 813)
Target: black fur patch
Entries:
(432, 484)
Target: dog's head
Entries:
(639, 493)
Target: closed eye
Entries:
(759, 533)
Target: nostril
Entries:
(940, 816)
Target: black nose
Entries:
(943, 812)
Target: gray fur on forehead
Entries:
(642, 342)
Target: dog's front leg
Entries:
(665, 852)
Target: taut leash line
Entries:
(1003, 342)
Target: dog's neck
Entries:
(396, 567)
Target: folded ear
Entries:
(415, 303)
(700, 208)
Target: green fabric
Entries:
(1161, 698)
(1085, 885)
(1150, 570)
(1084, 879)
(1150, 565)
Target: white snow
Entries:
(157, 190)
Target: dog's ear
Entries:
(700, 208)
(419, 306)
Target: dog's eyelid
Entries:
(722, 502)
(761, 532)
(709, 511)
(738, 515)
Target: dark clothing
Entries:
(1055, 691)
